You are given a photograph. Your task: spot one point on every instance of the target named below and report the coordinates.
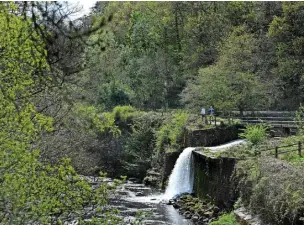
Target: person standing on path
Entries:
(203, 115)
(211, 113)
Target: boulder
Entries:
(195, 217)
(187, 215)
(176, 206)
(139, 193)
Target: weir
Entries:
(203, 175)
(182, 178)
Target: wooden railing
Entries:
(276, 151)
(273, 118)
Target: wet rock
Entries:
(176, 206)
(170, 202)
(201, 212)
(187, 215)
(122, 192)
(181, 211)
(139, 193)
(134, 180)
(195, 217)
(205, 220)
(107, 180)
(216, 209)
(211, 220)
(74, 222)
(208, 214)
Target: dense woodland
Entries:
(95, 86)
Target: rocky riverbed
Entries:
(198, 211)
(133, 197)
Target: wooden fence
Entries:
(296, 147)
(278, 119)
(277, 150)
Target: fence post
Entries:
(300, 149)
(276, 151)
(215, 120)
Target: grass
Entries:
(225, 219)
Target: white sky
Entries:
(86, 4)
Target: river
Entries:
(150, 202)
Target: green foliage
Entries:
(140, 143)
(246, 48)
(299, 117)
(293, 156)
(231, 82)
(256, 134)
(287, 33)
(123, 113)
(272, 188)
(242, 151)
(88, 118)
(30, 190)
(171, 132)
(225, 219)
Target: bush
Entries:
(256, 134)
(273, 189)
(122, 117)
(171, 133)
(225, 219)
(88, 120)
(140, 144)
(124, 113)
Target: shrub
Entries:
(272, 189)
(87, 118)
(171, 133)
(123, 113)
(140, 143)
(255, 133)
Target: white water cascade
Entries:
(181, 179)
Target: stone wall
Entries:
(169, 163)
(213, 179)
(213, 136)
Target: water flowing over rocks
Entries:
(177, 206)
(149, 201)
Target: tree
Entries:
(30, 191)
(287, 32)
(231, 83)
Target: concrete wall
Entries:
(208, 137)
(213, 179)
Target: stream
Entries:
(133, 197)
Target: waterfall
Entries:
(181, 179)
